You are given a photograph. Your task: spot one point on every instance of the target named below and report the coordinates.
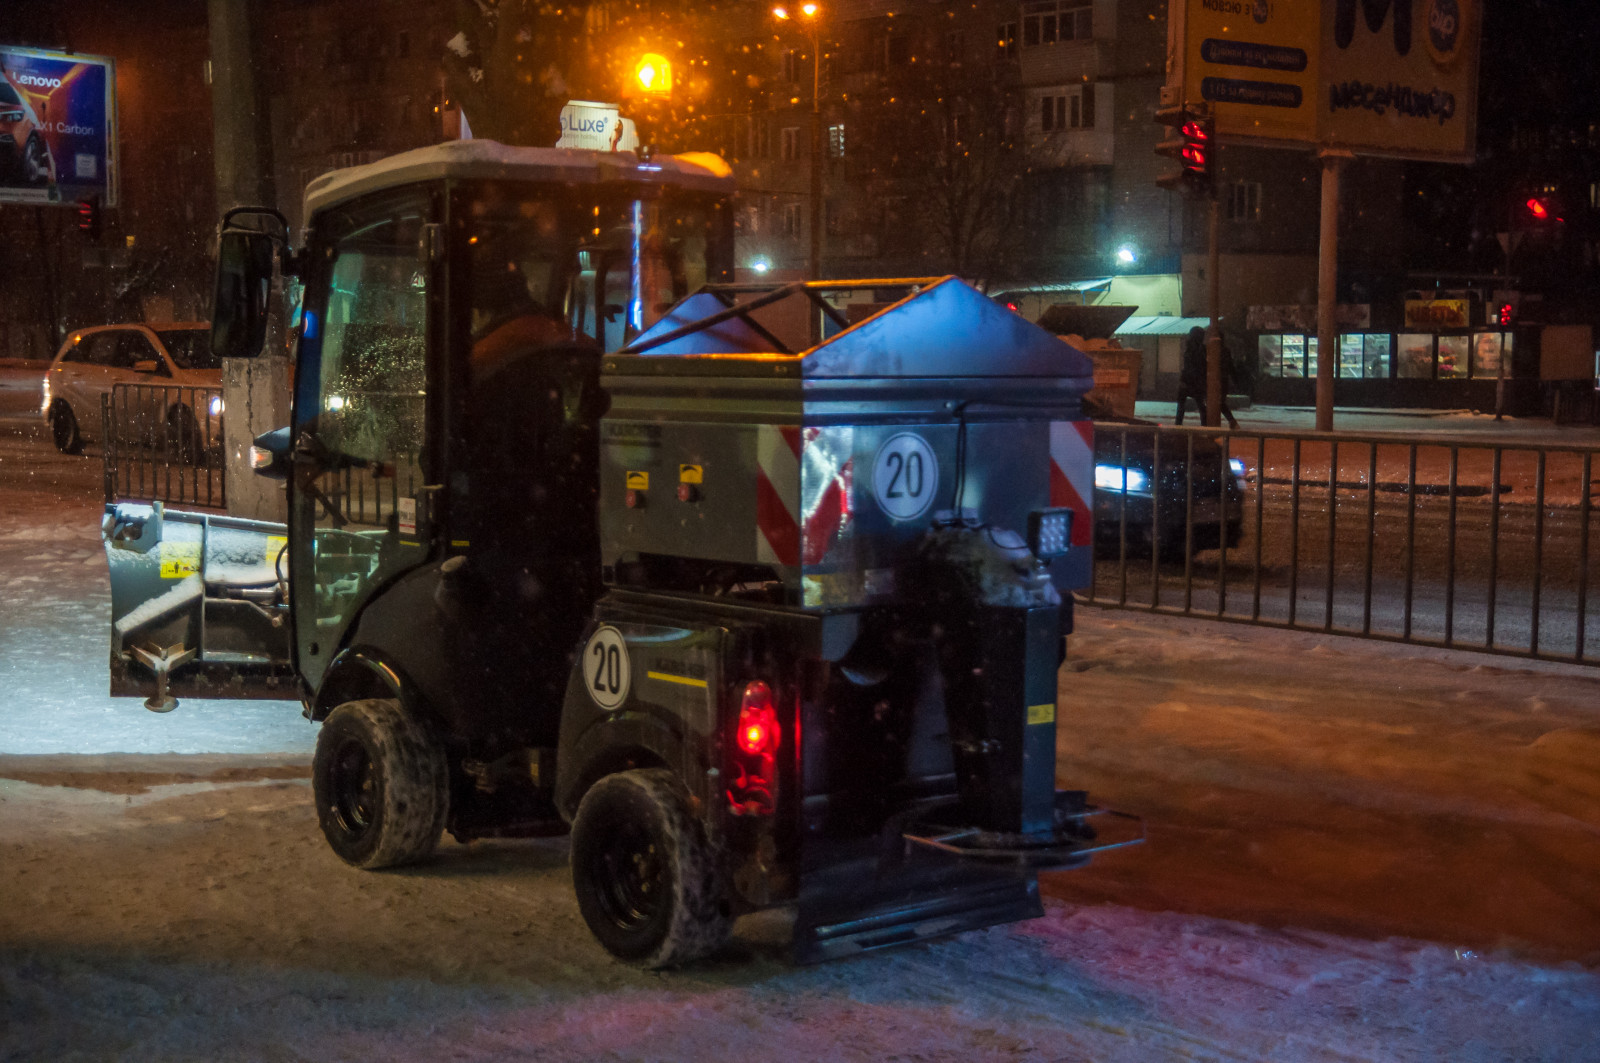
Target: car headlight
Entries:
(1113, 478)
(216, 406)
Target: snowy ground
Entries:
(1356, 852)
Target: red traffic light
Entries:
(1507, 313)
(89, 217)
(1195, 130)
(1538, 208)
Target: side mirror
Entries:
(244, 286)
(269, 456)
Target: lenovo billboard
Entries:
(57, 127)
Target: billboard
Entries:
(1397, 78)
(57, 127)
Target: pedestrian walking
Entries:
(1192, 374)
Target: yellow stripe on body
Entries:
(682, 680)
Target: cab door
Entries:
(360, 498)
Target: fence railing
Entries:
(163, 442)
(1446, 542)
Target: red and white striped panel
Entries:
(777, 489)
(827, 464)
(1072, 475)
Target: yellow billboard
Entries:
(1396, 78)
(1255, 63)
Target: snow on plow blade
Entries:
(198, 606)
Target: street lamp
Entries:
(811, 13)
(653, 74)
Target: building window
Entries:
(1049, 21)
(1071, 108)
(897, 50)
(836, 141)
(1244, 201)
(1416, 355)
(791, 220)
(760, 138)
(955, 47)
(789, 147)
(1005, 41)
(791, 65)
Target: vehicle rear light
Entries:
(758, 721)
(260, 458)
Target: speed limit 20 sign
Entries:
(905, 476)
(605, 668)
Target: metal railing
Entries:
(163, 443)
(1445, 542)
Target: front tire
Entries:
(64, 430)
(647, 879)
(381, 784)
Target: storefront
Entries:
(1439, 359)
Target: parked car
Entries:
(1125, 481)
(24, 155)
(93, 361)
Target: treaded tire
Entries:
(64, 430)
(648, 883)
(381, 784)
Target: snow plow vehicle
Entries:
(580, 541)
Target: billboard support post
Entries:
(1327, 285)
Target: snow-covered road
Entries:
(1357, 852)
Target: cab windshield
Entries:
(552, 266)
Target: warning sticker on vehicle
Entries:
(690, 474)
(638, 481)
(179, 559)
(406, 515)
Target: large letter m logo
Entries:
(1375, 11)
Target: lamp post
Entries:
(811, 12)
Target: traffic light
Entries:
(89, 217)
(1193, 143)
(1541, 210)
(1507, 314)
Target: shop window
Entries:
(1375, 351)
(1486, 353)
(1453, 352)
(1416, 355)
(1350, 361)
(1284, 355)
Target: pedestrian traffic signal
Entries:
(89, 218)
(1508, 314)
(1193, 143)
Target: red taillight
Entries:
(758, 722)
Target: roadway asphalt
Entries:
(1480, 427)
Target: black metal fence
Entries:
(163, 443)
(1447, 542)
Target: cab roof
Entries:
(479, 159)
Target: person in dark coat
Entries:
(1192, 374)
(1192, 377)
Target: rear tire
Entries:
(648, 882)
(64, 429)
(381, 784)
